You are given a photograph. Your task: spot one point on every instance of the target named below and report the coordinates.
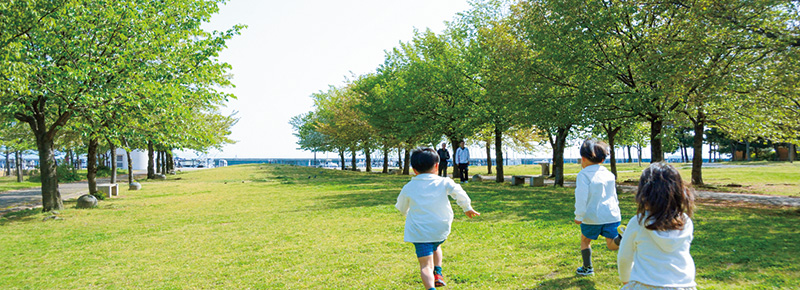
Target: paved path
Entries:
(774, 200)
(32, 197)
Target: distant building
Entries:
(138, 157)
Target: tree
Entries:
(82, 54)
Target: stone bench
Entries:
(536, 180)
(109, 189)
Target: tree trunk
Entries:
(407, 162)
(385, 160)
(710, 152)
(19, 163)
(489, 156)
(792, 152)
(8, 165)
(113, 162)
(630, 157)
(612, 134)
(341, 157)
(151, 170)
(353, 161)
(164, 162)
(498, 149)
(91, 167)
(77, 164)
(612, 151)
(697, 150)
(656, 150)
(639, 149)
(51, 196)
(454, 143)
(399, 158)
(130, 165)
(558, 154)
(747, 150)
(367, 160)
(158, 162)
(171, 161)
(685, 154)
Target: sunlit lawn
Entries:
(273, 227)
(779, 178)
(10, 183)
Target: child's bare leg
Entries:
(611, 245)
(426, 271)
(586, 243)
(437, 257)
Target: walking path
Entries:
(773, 200)
(32, 197)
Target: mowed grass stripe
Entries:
(266, 227)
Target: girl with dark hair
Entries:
(655, 251)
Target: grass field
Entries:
(761, 177)
(10, 183)
(273, 227)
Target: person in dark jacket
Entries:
(444, 155)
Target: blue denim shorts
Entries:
(426, 249)
(594, 231)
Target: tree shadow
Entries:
(26, 215)
(567, 282)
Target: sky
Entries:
(292, 49)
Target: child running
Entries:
(655, 251)
(596, 204)
(429, 215)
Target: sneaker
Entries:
(620, 230)
(584, 271)
(438, 280)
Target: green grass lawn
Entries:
(761, 177)
(273, 227)
(10, 183)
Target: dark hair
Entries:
(595, 151)
(665, 198)
(423, 159)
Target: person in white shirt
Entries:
(655, 251)
(462, 161)
(423, 201)
(596, 203)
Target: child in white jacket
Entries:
(655, 251)
(429, 215)
(596, 204)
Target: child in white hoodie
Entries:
(655, 251)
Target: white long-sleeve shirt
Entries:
(657, 258)
(462, 155)
(596, 200)
(423, 201)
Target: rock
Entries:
(86, 201)
(135, 186)
(477, 178)
(161, 177)
(52, 217)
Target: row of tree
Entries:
(550, 69)
(132, 74)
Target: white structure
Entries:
(138, 157)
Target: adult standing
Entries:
(444, 155)
(462, 159)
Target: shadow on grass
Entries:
(26, 215)
(567, 282)
(731, 244)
